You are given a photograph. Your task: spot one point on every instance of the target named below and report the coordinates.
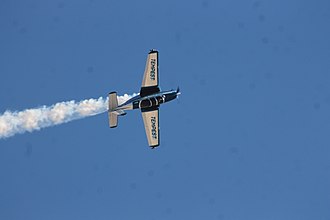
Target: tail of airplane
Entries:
(113, 104)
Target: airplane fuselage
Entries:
(147, 102)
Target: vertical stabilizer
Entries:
(113, 104)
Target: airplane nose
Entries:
(178, 91)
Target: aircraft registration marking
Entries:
(153, 127)
(153, 69)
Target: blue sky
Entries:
(248, 138)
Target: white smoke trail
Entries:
(12, 123)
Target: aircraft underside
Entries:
(149, 100)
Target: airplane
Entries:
(148, 100)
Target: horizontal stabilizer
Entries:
(113, 119)
(113, 115)
(113, 102)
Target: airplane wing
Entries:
(151, 125)
(150, 77)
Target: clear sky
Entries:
(249, 137)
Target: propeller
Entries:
(177, 94)
(178, 91)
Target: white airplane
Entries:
(148, 101)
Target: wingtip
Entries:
(153, 51)
(154, 146)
